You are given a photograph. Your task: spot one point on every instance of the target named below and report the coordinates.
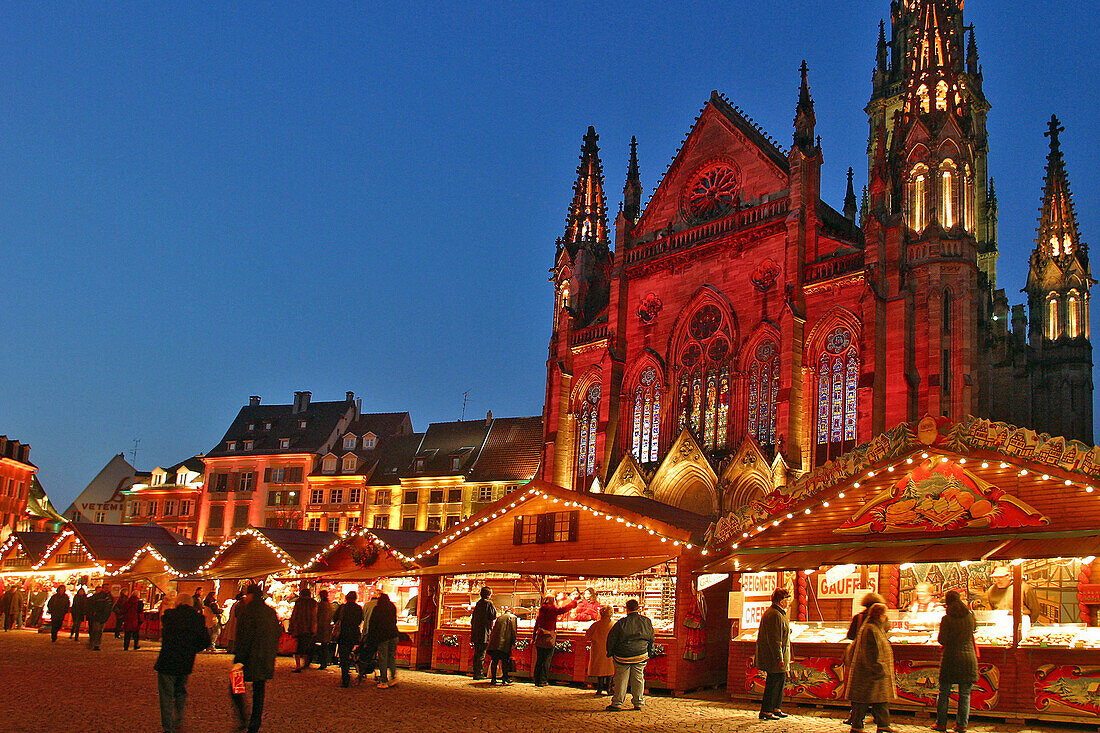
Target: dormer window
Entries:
(158, 479)
(349, 442)
(349, 464)
(284, 443)
(419, 464)
(231, 445)
(301, 424)
(181, 478)
(251, 426)
(329, 464)
(369, 441)
(267, 426)
(456, 462)
(248, 444)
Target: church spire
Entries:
(632, 191)
(934, 57)
(1058, 234)
(850, 203)
(586, 225)
(972, 66)
(804, 118)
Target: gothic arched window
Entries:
(968, 199)
(837, 382)
(763, 393)
(588, 415)
(922, 95)
(918, 199)
(1073, 315)
(941, 96)
(947, 196)
(644, 437)
(703, 399)
(1054, 327)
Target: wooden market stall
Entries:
(1008, 518)
(162, 569)
(369, 559)
(545, 539)
(22, 550)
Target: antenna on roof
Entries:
(465, 397)
(133, 451)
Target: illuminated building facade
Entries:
(16, 475)
(168, 497)
(743, 330)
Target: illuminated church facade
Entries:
(742, 331)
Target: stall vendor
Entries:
(924, 601)
(999, 595)
(588, 607)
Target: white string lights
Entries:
(279, 552)
(360, 532)
(530, 494)
(147, 550)
(825, 495)
(77, 542)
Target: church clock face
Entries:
(712, 192)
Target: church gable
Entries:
(725, 162)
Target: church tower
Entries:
(1058, 286)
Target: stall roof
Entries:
(262, 551)
(34, 544)
(925, 492)
(178, 560)
(112, 544)
(387, 550)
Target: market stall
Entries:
(548, 540)
(1008, 518)
(370, 560)
(155, 571)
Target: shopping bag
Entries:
(236, 680)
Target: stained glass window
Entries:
(587, 422)
(837, 395)
(647, 416)
(704, 383)
(763, 393)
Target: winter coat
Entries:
(7, 601)
(80, 604)
(182, 636)
(133, 615)
(599, 664)
(350, 617)
(38, 598)
(547, 620)
(257, 640)
(99, 607)
(383, 622)
(231, 625)
(481, 621)
(631, 639)
(324, 621)
(303, 619)
(773, 641)
(872, 676)
(959, 663)
(505, 630)
(587, 611)
(58, 606)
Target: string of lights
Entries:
(360, 532)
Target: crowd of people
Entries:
(869, 683)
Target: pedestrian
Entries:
(20, 605)
(231, 622)
(197, 599)
(303, 627)
(37, 602)
(7, 607)
(324, 630)
(383, 635)
(481, 628)
(773, 653)
(254, 648)
(546, 636)
(871, 681)
(600, 664)
(959, 663)
(58, 606)
(212, 615)
(345, 629)
(132, 617)
(630, 645)
(79, 608)
(501, 642)
(182, 636)
(854, 626)
(99, 610)
(119, 612)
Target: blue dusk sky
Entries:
(199, 202)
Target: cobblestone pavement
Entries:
(65, 687)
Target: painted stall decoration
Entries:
(918, 682)
(938, 496)
(816, 678)
(1068, 689)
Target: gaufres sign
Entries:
(845, 587)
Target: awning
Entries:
(615, 567)
(946, 549)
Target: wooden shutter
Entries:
(234, 481)
(267, 475)
(294, 474)
(574, 525)
(545, 528)
(517, 531)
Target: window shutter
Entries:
(545, 528)
(574, 524)
(234, 481)
(267, 474)
(517, 531)
(294, 475)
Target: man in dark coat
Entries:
(481, 627)
(182, 636)
(79, 608)
(959, 663)
(58, 606)
(773, 653)
(99, 610)
(348, 618)
(7, 607)
(630, 646)
(254, 649)
(36, 601)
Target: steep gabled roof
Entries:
(512, 452)
(321, 420)
(447, 440)
(394, 456)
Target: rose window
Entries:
(712, 193)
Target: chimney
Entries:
(3, 445)
(488, 418)
(350, 396)
(301, 402)
(24, 453)
(358, 408)
(253, 400)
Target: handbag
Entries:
(545, 639)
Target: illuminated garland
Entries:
(279, 552)
(352, 534)
(76, 541)
(530, 494)
(147, 550)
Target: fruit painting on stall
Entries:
(938, 496)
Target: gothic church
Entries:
(742, 331)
